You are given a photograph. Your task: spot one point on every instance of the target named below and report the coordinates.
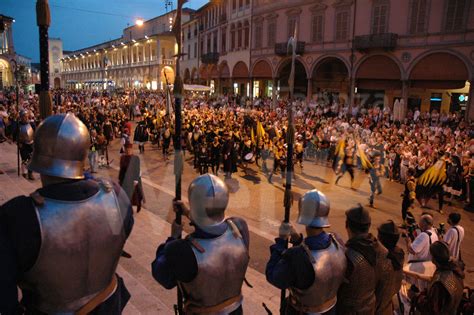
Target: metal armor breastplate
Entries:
(26, 133)
(81, 242)
(329, 269)
(221, 271)
(453, 285)
(357, 295)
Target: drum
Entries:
(419, 273)
(249, 158)
(415, 273)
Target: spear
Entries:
(290, 140)
(43, 20)
(178, 154)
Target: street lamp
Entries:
(138, 22)
(15, 71)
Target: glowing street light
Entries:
(139, 22)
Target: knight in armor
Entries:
(61, 245)
(392, 268)
(209, 265)
(365, 260)
(314, 267)
(445, 291)
(25, 143)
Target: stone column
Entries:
(11, 48)
(251, 88)
(351, 94)
(274, 92)
(309, 93)
(405, 98)
(470, 102)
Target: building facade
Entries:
(8, 58)
(143, 57)
(417, 50)
(55, 64)
(421, 51)
(219, 38)
(7, 51)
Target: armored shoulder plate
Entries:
(81, 243)
(329, 269)
(26, 134)
(222, 263)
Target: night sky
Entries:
(79, 23)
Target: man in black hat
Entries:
(390, 283)
(446, 288)
(365, 258)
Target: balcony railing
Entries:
(281, 49)
(387, 41)
(210, 58)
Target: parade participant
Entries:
(203, 159)
(247, 150)
(299, 151)
(454, 236)
(130, 177)
(409, 195)
(166, 140)
(313, 269)
(195, 142)
(265, 153)
(445, 291)
(389, 284)
(419, 249)
(228, 153)
(375, 172)
(25, 143)
(365, 260)
(124, 140)
(140, 135)
(209, 265)
(93, 154)
(215, 155)
(346, 160)
(66, 234)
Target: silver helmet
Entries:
(60, 147)
(208, 198)
(314, 209)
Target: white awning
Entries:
(198, 88)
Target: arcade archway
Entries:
(301, 79)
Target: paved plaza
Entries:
(252, 198)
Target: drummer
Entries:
(247, 151)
